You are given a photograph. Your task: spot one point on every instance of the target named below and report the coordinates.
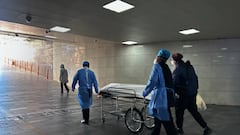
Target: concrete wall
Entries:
(216, 67)
(216, 62)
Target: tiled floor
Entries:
(32, 105)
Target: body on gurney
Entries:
(130, 96)
(127, 90)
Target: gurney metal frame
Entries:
(118, 99)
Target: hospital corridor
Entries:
(119, 67)
(32, 105)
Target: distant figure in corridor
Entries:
(63, 78)
(160, 78)
(86, 80)
(185, 83)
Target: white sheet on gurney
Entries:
(138, 88)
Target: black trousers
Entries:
(85, 113)
(168, 125)
(189, 103)
(65, 85)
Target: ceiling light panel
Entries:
(187, 46)
(60, 29)
(118, 6)
(129, 42)
(50, 37)
(224, 49)
(189, 31)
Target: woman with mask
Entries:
(185, 83)
(159, 79)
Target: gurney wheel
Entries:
(148, 120)
(134, 120)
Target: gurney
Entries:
(126, 101)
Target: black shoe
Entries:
(207, 131)
(67, 91)
(180, 131)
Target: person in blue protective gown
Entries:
(86, 79)
(158, 105)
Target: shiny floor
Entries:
(32, 105)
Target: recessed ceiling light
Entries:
(60, 29)
(223, 49)
(129, 42)
(220, 56)
(118, 6)
(189, 31)
(50, 37)
(187, 46)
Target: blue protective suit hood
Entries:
(86, 64)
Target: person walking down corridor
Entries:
(63, 78)
(86, 79)
(185, 83)
(159, 79)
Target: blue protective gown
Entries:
(158, 104)
(85, 86)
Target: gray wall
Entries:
(216, 67)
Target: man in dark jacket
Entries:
(186, 85)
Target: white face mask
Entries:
(155, 61)
(172, 62)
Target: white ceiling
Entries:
(152, 22)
